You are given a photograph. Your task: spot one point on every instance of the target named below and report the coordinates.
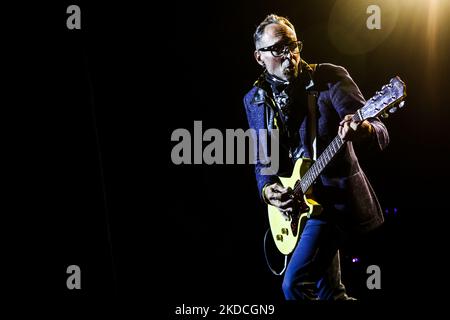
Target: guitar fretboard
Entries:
(316, 169)
(324, 159)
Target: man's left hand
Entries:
(350, 130)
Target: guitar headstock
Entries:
(385, 101)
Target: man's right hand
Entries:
(280, 197)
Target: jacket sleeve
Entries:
(255, 117)
(347, 99)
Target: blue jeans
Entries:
(314, 270)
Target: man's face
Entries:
(279, 37)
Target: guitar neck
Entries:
(324, 159)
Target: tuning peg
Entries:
(392, 110)
(401, 104)
(384, 115)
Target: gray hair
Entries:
(271, 18)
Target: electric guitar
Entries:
(286, 229)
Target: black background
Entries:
(93, 183)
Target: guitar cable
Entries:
(100, 167)
(267, 259)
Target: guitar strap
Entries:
(312, 116)
(312, 125)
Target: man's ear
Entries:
(257, 55)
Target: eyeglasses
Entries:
(279, 50)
